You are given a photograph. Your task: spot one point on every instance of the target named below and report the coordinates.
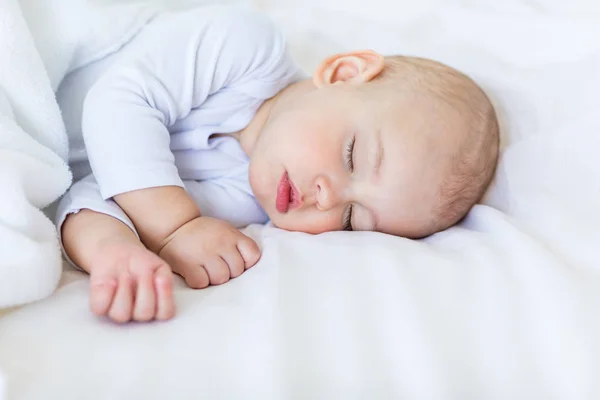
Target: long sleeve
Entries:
(171, 68)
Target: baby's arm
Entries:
(158, 212)
(203, 250)
(127, 116)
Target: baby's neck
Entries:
(250, 134)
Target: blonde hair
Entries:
(473, 161)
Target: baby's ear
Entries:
(355, 67)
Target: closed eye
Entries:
(350, 163)
(350, 154)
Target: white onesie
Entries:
(143, 117)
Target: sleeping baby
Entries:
(203, 124)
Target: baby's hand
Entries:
(129, 282)
(209, 251)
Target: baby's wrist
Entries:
(158, 212)
(174, 234)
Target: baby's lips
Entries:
(282, 202)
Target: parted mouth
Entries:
(288, 196)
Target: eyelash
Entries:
(350, 154)
(348, 219)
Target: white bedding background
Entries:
(503, 306)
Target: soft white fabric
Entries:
(33, 144)
(33, 173)
(2, 390)
(504, 306)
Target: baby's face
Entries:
(340, 158)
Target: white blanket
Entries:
(33, 173)
(40, 42)
(503, 306)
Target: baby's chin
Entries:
(275, 221)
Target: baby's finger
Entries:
(196, 277)
(235, 262)
(145, 299)
(102, 292)
(249, 251)
(163, 283)
(217, 270)
(122, 305)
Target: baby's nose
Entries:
(326, 197)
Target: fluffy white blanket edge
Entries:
(33, 142)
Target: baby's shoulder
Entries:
(251, 32)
